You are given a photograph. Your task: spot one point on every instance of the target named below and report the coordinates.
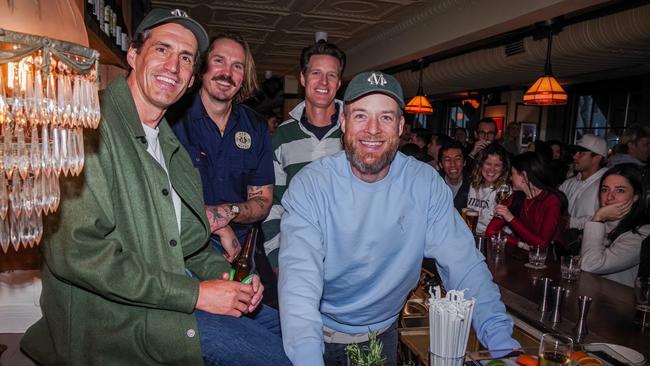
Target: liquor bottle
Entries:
(119, 23)
(106, 25)
(90, 7)
(243, 265)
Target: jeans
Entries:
(244, 341)
(335, 354)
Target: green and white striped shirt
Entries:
(294, 146)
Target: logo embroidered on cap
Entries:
(179, 13)
(377, 79)
(243, 140)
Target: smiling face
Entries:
(224, 73)
(491, 169)
(321, 80)
(519, 180)
(371, 126)
(452, 162)
(162, 68)
(616, 189)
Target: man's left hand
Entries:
(258, 291)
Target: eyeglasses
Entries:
(484, 134)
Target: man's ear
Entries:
(401, 125)
(131, 55)
(302, 80)
(189, 85)
(343, 122)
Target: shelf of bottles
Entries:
(107, 14)
(48, 95)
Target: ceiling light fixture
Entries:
(546, 90)
(419, 104)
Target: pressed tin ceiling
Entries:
(382, 34)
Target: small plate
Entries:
(629, 354)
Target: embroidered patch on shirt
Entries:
(243, 140)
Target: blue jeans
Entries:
(335, 354)
(244, 341)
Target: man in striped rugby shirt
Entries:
(312, 131)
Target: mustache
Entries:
(225, 78)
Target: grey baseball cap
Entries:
(160, 16)
(374, 82)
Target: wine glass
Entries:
(503, 193)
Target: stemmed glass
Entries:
(503, 193)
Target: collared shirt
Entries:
(318, 131)
(230, 163)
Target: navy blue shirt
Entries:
(228, 164)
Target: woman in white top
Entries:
(491, 170)
(611, 242)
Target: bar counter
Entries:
(611, 315)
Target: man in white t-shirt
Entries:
(589, 162)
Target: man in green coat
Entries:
(128, 277)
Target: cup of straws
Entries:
(450, 319)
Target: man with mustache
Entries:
(230, 145)
(128, 277)
(356, 227)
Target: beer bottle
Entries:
(243, 265)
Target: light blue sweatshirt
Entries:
(351, 251)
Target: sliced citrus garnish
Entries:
(590, 361)
(526, 360)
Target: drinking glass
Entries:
(503, 193)
(536, 257)
(471, 218)
(498, 242)
(642, 300)
(554, 349)
(570, 267)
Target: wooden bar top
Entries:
(611, 315)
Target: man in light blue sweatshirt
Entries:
(356, 227)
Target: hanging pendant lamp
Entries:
(419, 104)
(546, 90)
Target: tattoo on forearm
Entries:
(261, 202)
(215, 213)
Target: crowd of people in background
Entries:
(583, 199)
(142, 245)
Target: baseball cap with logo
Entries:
(374, 82)
(160, 16)
(592, 143)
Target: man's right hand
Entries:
(224, 297)
(478, 146)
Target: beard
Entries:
(369, 163)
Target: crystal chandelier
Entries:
(48, 95)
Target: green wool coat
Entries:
(115, 290)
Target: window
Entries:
(458, 117)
